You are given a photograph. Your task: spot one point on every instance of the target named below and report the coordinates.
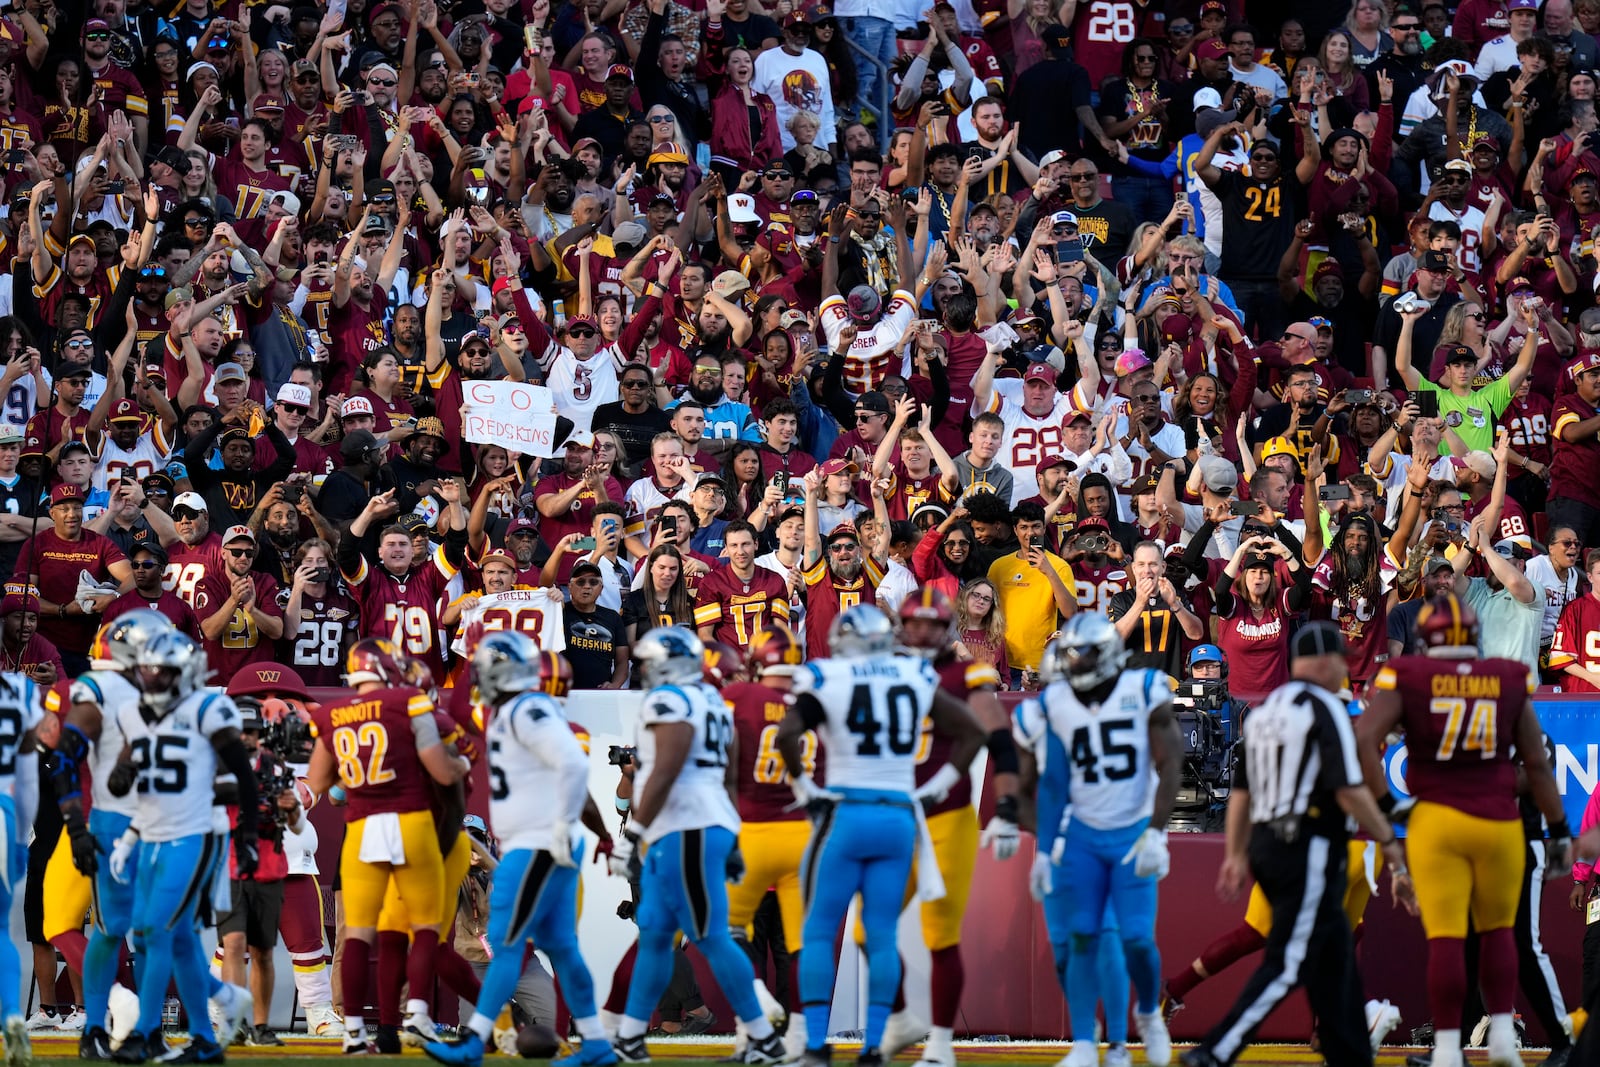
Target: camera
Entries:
(273, 779)
(622, 755)
(1202, 801)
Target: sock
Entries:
(617, 1002)
(1497, 971)
(416, 1007)
(71, 945)
(1222, 953)
(353, 981)
(457, 973)
(1447, 978)
(590, 1028)
(392, 947)
(630, 1027)
(945, 983)
(1083, 985)
(353, 1024)
(1111, 966)
(1447, 1043)
(481, 1025)
(99, 971)
(941, 1036)
(192, 971)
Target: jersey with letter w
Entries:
(1108, 747)
(538, 771)
(874, 709)
(177, 764)
(699, 795)
(107, 691)
(21, 710)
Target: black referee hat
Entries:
(1321, 638)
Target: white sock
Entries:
(1503, 1021)
(1447, 1042)
(759, 1028)
(591, 1028)
(354, 1024)
(415, 1007)
(481, 1025)
(630, 1027)
(941, 1035)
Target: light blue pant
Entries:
(173, 877)
(864, 844)
(876, 38)
(1111, 965)
(113, 917)
(13, 869)
(534, 898)
(1098, 881)
(685, 888)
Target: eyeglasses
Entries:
(144, 564)
(581, 331)
(384, 83)
(158, 56)
(636, 383)
(714, 490)
(957, 542)
(1568, 542)
(237, 552)
(982, 598)
(1179, 29)
(585, 582)
(1452, 508)
(1082, 177)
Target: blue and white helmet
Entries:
(116, 646)
(505, 662)
(1089, 651)
(861, 631)
(168, 668)
(669, 655)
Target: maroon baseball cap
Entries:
(65, 492)
(1040, 372)
(1052, 460)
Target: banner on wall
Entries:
(519, 417)
(1572, 726)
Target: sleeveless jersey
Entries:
(177, 764)
(874, 708)
(960, 679)
(763, 780)
(1108, 747)
(698, 797)
(21, 710)
(371, 736)
(1460, 720)
(538, 771)
(107, 691)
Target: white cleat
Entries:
(74, 1023)
(1382, 1017)
(904, 1029)
(741, 1041)
(1157, 1042)
(122, 1013)
(418, 1030)
(938, 1052)
(1083, 1054)
(1503, 1044)
(794, 1041)
(19, 1050)
(1119, 1056)
(228, 1009)
(323, 1021)
(41, 1022)
(776, 1013)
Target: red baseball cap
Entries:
(1040, 372)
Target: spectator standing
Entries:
(51, 562)
(597, 639)
(1035, 590)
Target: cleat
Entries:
(386, 1040)
(95, 1044)
(776, 1013)
(137, 1048)
(817, 1057)
(1479, 1032)
(504, 1040)
(419, 1030)
(122, 1014)
(596, 1053)
(904, 1029)
(198, 1051)
(1082, 1054)
(19, 1050)
(228, 1009)
(322, 1021)
(1157, 1042)
(870, 1057)
(1382, 1017)
(938, 1052)
(769, 1049)
(1503, 1046)
(466, 1051)
(73, 1023)
(1199, 1057)
(1119, 1056)
(695, 1024)
(631, 1049)
(1559, 1058)
(355, 1045)
(1170, 1005)
(42, 1021)
(795, 1040)
(1420, 1059)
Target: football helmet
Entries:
(926, 618)
(117, 644)
(1089, 651)
(723, 666)
(774, 649)
(375, 659)
(168, 668)
(504, 663)
(1445, 625)
(669, 655)
(1050, 663)
(555, 674)
(859, 632)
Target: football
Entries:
(537, 1041)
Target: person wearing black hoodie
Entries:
(231, 493)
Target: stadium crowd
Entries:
(1290, 314)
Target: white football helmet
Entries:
(1089, 651)
(168, 668)
(859, 632)
(669, 655)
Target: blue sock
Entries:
(99, 971)
(10, 963)
(1144, 967)
(1113, 975)
(155, 945)
(192, 969)
(816, 987)
(1083, 992)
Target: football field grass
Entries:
(318, 1052)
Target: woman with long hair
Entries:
(219, 125)
(492, 464)
(382, 372)
(945, 556)
(608, 313)
(896, 165)
(1203, 396)
(162, 65)
(1367, 25)
(1464, 324)
(608, 450)
(1348, 589)
(662, 598)
(1341, 77)
(980, 627)
(1255, 614)
(828, 40)
(1290, 50)
(741, 473)
(241, 351)
(74, 117)
(1133, 111)
(269, 73)
(1026, 46)
(745, 134)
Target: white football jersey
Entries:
(21, 710)
(177, 764)
(1026, 439)
(875, 709)
(1108, 747)
(538, 771)
(108, 691)
(142, 460)
(539, 613)
(699, 795)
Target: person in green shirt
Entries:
(1477, 408)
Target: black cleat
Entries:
(95, 1044)
(199, 1051)
(1420, 1059)
(1200, 1057)
(870, 1057)
(631, 1049)
(136, 1048)
(769, 1049)
(386, 1041)
(1559, 1058)
(817, 1057)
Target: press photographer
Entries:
(258, 900)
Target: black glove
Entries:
(247, 856)
(625, 910)
(120, 781)
(84, 846)
(734, 868)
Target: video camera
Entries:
(273, 779)
(1202, 800)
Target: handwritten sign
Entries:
(514, 415)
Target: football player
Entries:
(867, 705)
(538, 789)
(926, 619)
(382, 746)
(20, 715)
(681, 841)
(1468, 724)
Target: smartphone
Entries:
(583, 544)
(363, 97)
(482, 329)
(609, 525)
(1247, 507)
(1070, 250)
(1036, 541)
(1333, 492)
(17, 156)
(781, 480)
(1427, 404)
(1358, 396)
(669, 524)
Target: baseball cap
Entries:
(357, 443)
(1211, 48)
(619, 72)
(1437, 562)
(844, 529)
(579, 439)
(521, 524)
(1218, 474)
(1147, 484)
(174, 157)
(266, 102)
(356, 405)
(10, 434)
(430, 426)
(839, 466)
(631, 234)
(742, 208)
(1459, 165)
(1459, 354)
(1590, 360)
(1320, 638)
(1257, 560)
(874, 401)
(862, 304)
(498, 555)
(729, 284)
(294, 393)
(1523, 5)
(1040, 372)
(1434, 260)
(1055, 155)
(1207, 97)
(229, 372)
(710, 478)
(125, 410)
(1481, 463)
(64, 493)
(239, 532)
(1055, 37)
(192, 501)
(1131, 361)
(1519, 284)
(1052, 460)
(585, 567)
(1063, 218)
(177, 296)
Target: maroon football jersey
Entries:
(370, 735)
(188, 564)
(764, 793)
(241, 642)
(1460, 720)
(405, 610)
(960, 679)
(738, 607)
(327, 627)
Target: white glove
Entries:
(808, 794)
(935, 789)
(1041, 879)
(1149, 855)
(121, 853)
(1059, 848)
(1003, 835)
(624, 861)
(561, 844)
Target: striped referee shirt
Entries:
(1298, 751)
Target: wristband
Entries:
(1006, 808)
(1560, 830)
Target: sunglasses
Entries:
(1567, 542)
(152, 272)
(79, 344)
(663, 119)
(1144, 59)
(584, 581)
(844, 546)
(383, 198)
(511, 327)
(1179, 29)
(185, 514)
(1406, 27)
(1479, 316)
(384, 83)
(957, 542)
(144, 564)
(238, 552)
(777, 175)
(581, 331)
(636, 383)
(197, 222)
(294, 409)
(1082, 177)
(97, 36)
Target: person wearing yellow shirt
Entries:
(1036, 591)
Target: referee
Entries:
(1295, 786)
